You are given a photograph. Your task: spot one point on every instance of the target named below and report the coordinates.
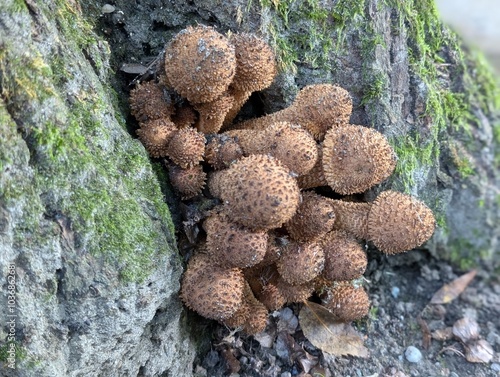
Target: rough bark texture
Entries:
(82, 214)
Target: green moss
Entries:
(21, 353)
(84, 166)
(306, 32)
(462, 253)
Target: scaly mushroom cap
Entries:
(252, 315)
(184, 116)
(213, 113)
(317, 108)
(188, 182)
(345, 259)
(296, 292)
(301, 262)
(347, 302)
(149, 102)
(271, 297)
(356, 158)
(255, 63)
(232, 245)
(289, 143)
(212, 291)
(155, 136)
(399, 222)
(200, 63)
(186, 147)
(314, 177)
(222, 150)
(259, 191)
(321, 107)
(313, 219)
(292, 145)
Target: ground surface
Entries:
(390, 329)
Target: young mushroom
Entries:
(289, 143)
(347, 302)
(212, 291)
(255, 70)
(317, 108)
(354, 158)
(259, 192)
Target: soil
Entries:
(393, 325)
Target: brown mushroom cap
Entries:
(289, 143)
(317, 108)
(399, 222)
(296, 292)
(222, 150)
(184, 116)
(186, 147)
(200, 63)
(259, 191)
(313, 219)
(155, 136)
(356, 158)
(148, 101)
(232, 245)
(345, 259)
(301, 262)
(211, 291)
(189, 182)
(255, 63)
(314, 177)
(252, 315)
(347, 302)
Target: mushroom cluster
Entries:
(271, 239)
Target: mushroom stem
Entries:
(351, 217)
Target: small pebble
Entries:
(413, 354)
(107, 8)
(395, 292)
(495, 367)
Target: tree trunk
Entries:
(82, 212)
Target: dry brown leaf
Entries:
(325, 332)
(451, 291)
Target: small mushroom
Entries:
(222, 150)
(149, 101)
(316, 108)
(255, 70)
(345, 259)
(356, 158)
(313, 219)
(301, 262)
(399, 222)
(347, 302)
(186, 147)
(289, 143)
(232, 245)
(259, 191)
(200, 63)
(353, 159)
(155, 136)
(212, 291)
(188, 182)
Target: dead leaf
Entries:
(325, 332)
(133, 68)
(479, 351)
(451, 291)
